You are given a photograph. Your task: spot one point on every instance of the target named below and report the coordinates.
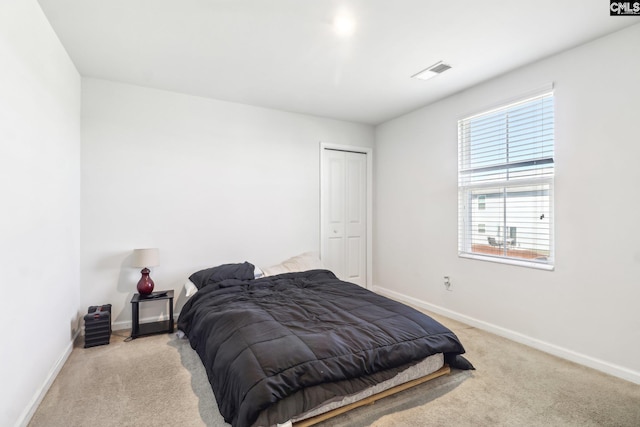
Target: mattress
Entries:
(427, 366)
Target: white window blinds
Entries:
(505, 182)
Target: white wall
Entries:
(587, 309)
(40, 207)
(205, 181)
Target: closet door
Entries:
(344, 214)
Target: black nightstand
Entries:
(161, 327)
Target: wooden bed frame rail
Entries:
(372, 399)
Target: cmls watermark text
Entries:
(621, 8)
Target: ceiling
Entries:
(287, 54)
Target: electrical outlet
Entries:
(447, 283)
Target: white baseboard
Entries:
(31, 408)
(118, 326)
(564, 353)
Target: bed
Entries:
(293, 346)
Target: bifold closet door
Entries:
(344, 214)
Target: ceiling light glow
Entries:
(344, 25)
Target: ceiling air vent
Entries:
(432, 71)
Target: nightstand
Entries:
(150, 328)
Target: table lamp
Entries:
(145, 258)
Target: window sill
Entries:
(509, 261)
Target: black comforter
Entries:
(262, 340)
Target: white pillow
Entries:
(303, 262)
(257, 273)
(274, 269)
(189, 288)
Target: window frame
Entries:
(544, 183)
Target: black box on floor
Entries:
(97, 326)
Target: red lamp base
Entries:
(145, 284)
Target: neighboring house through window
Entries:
(505, 183)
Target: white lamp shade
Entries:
(145, 257)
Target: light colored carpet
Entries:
(160, 381)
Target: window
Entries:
(505, 183)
